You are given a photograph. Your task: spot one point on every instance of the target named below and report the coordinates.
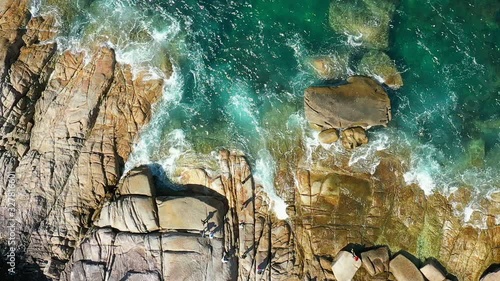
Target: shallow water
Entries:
(240, 69)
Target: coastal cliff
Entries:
(68, 124)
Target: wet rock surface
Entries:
(361, 102)
(377, 64)
(68, 122)
(352, 107)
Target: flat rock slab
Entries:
(136, 214)
(361, 102)
(432, 273)
(194, 214)
(404, 270)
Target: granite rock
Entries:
(432, 273)
(376, 261)
(328, 136)
(361, 102)
(404, 270)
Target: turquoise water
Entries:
(240, 69)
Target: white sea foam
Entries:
(354, 40)
(151, 135)
(364, 158)
(264, 173)
(421, 174)
(468, 213)
(35, 7)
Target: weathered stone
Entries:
(354, 137)
(328, 136)
(432, 273)
(134, 214)
(361, 102)
(404, 270)
(155, 256)
(84, 270)
(345, 266)
(68, 123)
(376, 261)
(137, 182)
(195, 214)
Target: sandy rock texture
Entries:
(68, 123)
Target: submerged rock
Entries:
(365, 20)
(330, 67)
(361, 102)
(377, 64)
(476, 152)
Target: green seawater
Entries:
(240, 69)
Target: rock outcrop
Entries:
(354, 137)
(354, 106)
(210, 228)
(361, 102)
(180, 237)
(68, 123)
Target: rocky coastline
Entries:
(68, 124)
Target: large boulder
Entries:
(366, 20)
(432, 273)
(193, 214)
(376, 261)
(361, 102)
(136, 214)
(404, 270)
